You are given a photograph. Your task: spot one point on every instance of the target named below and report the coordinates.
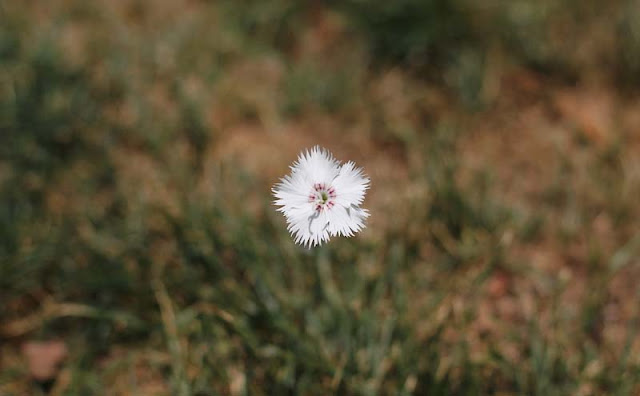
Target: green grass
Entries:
(131, 230)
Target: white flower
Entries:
(322, 198)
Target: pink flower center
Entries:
(322, 196)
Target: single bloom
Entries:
(321, 198)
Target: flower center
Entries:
(322, 196)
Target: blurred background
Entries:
(140, 253)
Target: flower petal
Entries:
(346, 221)
(351, 185)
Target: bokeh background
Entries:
(140, 253)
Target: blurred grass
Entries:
(137, 230)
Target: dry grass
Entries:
(143, 140)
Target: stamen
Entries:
(322, 197)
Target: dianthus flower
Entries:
(321, 198)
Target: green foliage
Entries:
(418, 33)
(126, 232)
(628, 40)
